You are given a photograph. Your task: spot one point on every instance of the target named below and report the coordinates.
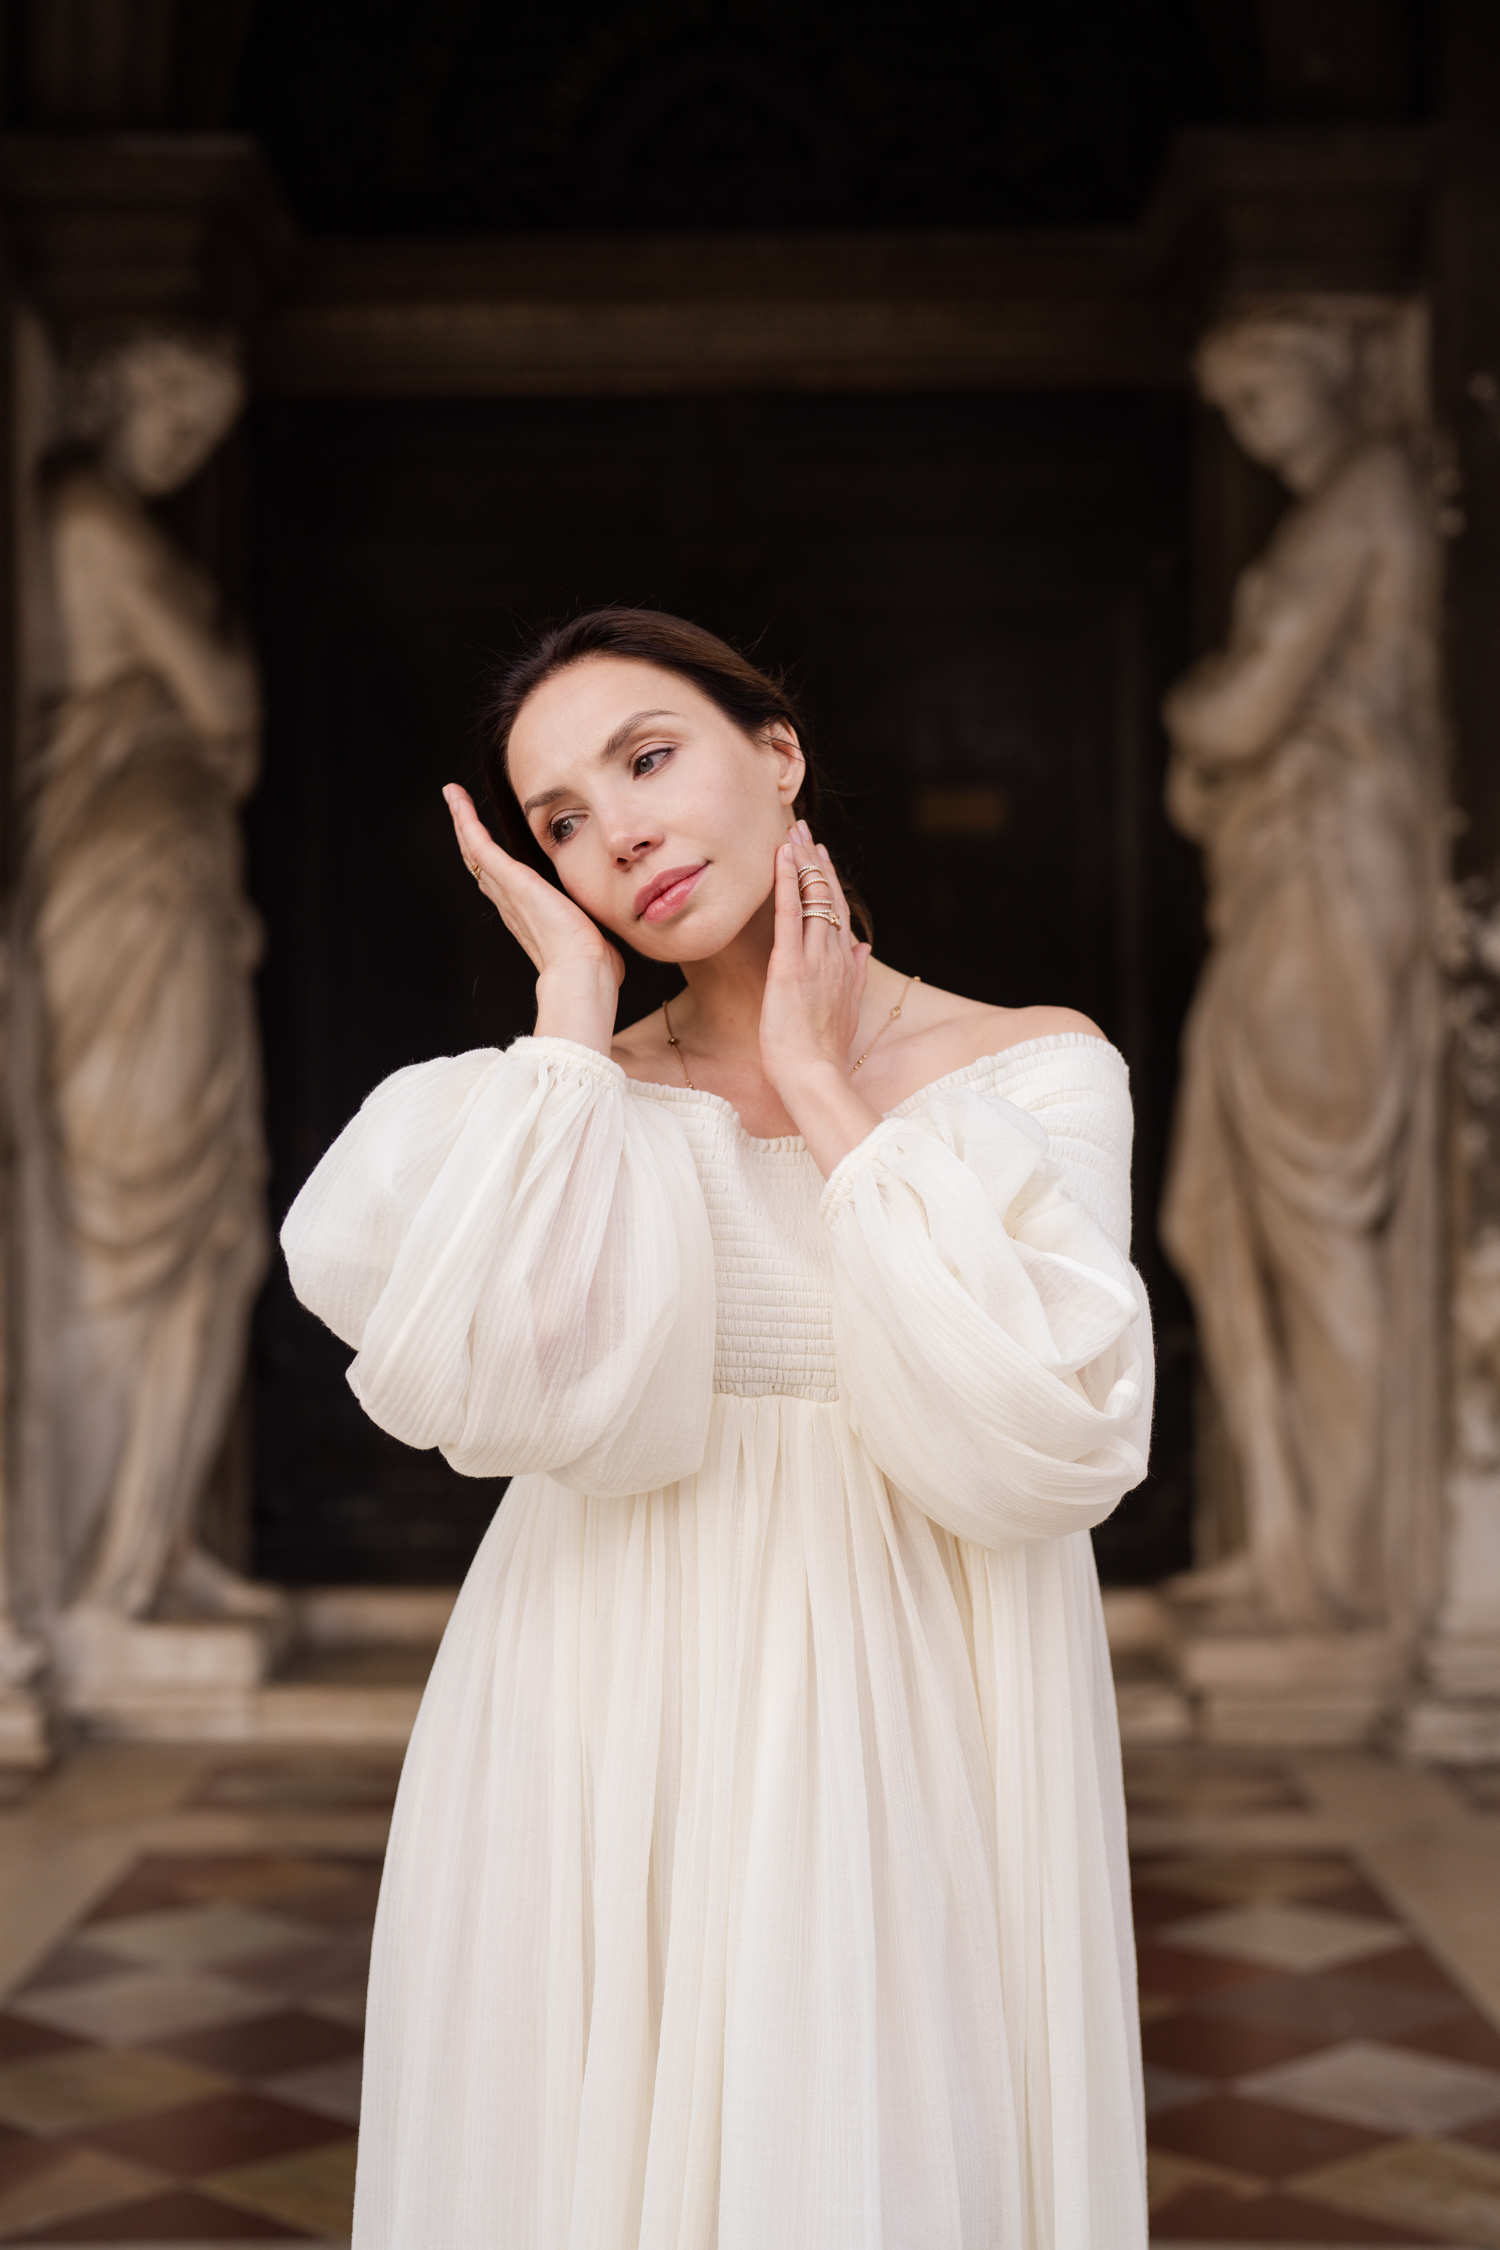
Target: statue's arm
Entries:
(211, 677)
(123, 582)
(1294, 610)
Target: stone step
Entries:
(320, 1715)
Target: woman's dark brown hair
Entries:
(750, 699)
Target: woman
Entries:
(758, 1876)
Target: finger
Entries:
(820, 853)
(788, 938)
(813, 888)
(482, 855)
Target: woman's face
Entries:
(661, 817)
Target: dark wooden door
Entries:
(981, 600)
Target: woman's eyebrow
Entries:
(612, 749)
(625, 730)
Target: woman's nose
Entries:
(630, 845)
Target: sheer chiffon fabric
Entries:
(758, 1877)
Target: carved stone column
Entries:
(1457, 1716)
(1304, 1195)
(25, 1735)
(111, 238)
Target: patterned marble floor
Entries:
(183, 2067)
(184, 1934)
(1314, 2073)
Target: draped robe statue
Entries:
(147, 1057)
(1301, 1202)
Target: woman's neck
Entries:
(720, 1012)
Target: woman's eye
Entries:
(561, 830)
(646, 762)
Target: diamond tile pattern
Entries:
(91, 2086)
(1300, 2003)
(184, 2069)
(203, 1936)
(1286, 1936)
(1384, 2089)
(328, 2089)
(137, 2005)
(1452, 2189)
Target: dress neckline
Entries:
(774, 1143)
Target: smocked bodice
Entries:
(773, 1274)
(772, 1262)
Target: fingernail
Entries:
(822, 851)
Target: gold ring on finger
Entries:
(822, 914)
(476, 871)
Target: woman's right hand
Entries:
(578, 971)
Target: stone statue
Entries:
(1301, 1201)
(143, 946)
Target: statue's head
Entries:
(1301, 379)
(157, 403)
(1285, 385)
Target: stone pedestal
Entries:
(25, 1734)
(332, 1666)
(1293, 1689)
(1142, 1647)
(165, 1680)
(25, 1728)
(1455, 1719)
(1178, 1677)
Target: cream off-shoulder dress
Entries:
(757, 1879)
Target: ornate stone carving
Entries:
(147, 1081)
(1457, 1717)
(1302, 1199)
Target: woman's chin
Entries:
(687, 937)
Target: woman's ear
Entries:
(791, 765)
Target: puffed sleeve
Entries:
(518, 1249)
(993, 1343)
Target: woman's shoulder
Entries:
(974, 1029)
(944, 1034)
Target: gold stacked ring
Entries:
(476, 871)
(807, 876)
(823, 914)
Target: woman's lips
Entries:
(658, 900)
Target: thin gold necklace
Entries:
(890, 1019)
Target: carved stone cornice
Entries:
(1236, 214)
(163, 225)
(145, 226)
(1342, 210)
(580, 314)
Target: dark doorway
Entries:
(981, 599)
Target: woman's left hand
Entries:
(815, 982)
